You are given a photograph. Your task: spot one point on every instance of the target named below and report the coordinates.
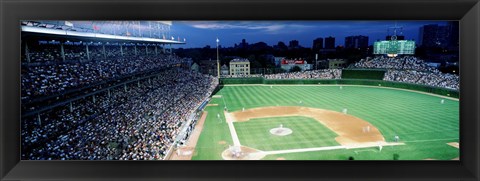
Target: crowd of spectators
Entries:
(313, 74)
(242, 76)
(74, 52)
(411, 70)
(398, 63)
(96, 52)
(45, 53)
(434, 78)
(48, 79)
(136, 123)
(50, 52)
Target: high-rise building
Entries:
(454, 36)
(356, 41)
(433, 35)
(428, 35)
(330, 42)
(293, 44)
(244, 44)
(317, 44)
(443, 36)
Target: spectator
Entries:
(138, 124)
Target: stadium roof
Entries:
(95, 35)
(166, 22)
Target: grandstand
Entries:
(105, 90)
(406, 69)
(410, 70)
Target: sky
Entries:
(202, 33)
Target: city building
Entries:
(240, 67)
(433, 35)
(356, 41)
(454, 36)
(293, 44)
(322, 64)
(224, 70)
(281, 46)
(244, 44)
(288, 64)
(208, 67)
(336, 63)
(317, 45)
(330, 42)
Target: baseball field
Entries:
(327, 122)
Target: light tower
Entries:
(393, 51)
(218, 61)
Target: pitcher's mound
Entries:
(281, 131)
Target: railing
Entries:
(182, 135)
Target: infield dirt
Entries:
(351, 130)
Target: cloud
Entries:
(263, 27)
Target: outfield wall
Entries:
(417, 87)
(371, 74)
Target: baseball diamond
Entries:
(128, 90)
(381, 124)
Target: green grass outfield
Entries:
(421, 122)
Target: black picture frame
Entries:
(465, 11)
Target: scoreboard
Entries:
(394, 47)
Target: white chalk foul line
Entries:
(356, 152)
(304, 150)
(325, 148)
(414, 141)
(233, 132)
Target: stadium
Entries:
(115, 91)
